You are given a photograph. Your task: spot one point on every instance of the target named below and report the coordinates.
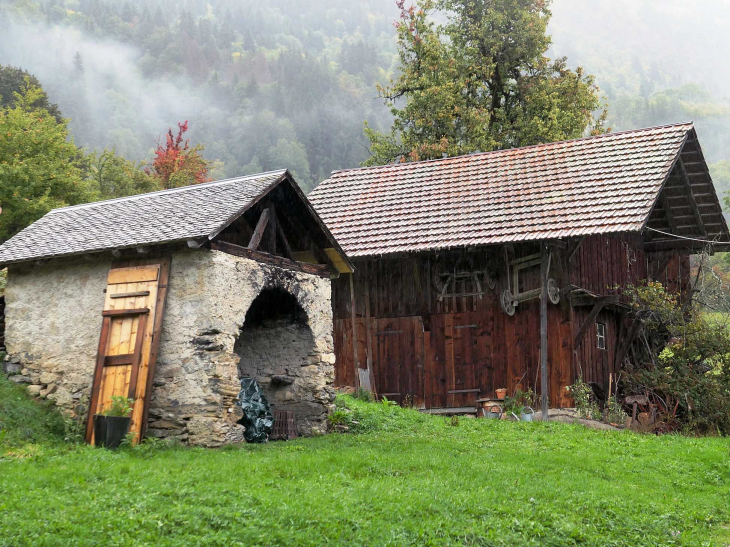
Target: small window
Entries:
(601, 335)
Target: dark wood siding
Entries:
(439, 347)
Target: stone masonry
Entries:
(53, 319)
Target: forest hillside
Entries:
(290, 82)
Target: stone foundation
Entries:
(54, 319)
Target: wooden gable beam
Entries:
(690, 196)
(668, 212)
(600, 303)
(282, 236)
(258, 233)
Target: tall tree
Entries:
(176, 163)
(15, 80)
(114, 176)
(480, 81)
(40, 167)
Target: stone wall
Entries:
(280, 353)
(54, 319)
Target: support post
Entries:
(543, 329)
(354, 331)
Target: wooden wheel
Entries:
(553, 291)
(508, 302)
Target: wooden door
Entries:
(398, 359)
(458, 360)
(132, 317)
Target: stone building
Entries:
(172, 297)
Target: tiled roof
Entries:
(601, 184)
(179, 214)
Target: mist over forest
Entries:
(289, 83)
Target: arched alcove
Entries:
(277, 347)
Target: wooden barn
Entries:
(444, 306)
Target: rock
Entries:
(34, 390)
(20, 379)
(52, 389)
(12, 368)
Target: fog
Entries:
(637, 49)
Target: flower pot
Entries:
(501, 393)
(527, 414)
(99, 430)
(117, 428)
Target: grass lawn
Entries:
(403, 479)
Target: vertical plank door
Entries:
(128, 343)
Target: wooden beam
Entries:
(135, 311)
(95, 387)
(258, 232)
(543, 329)
(600, 303)
(164, 280)
(129, 294)
(270, 232)
(661, 266)
(284, 240)
(625, 344)
(668, 212)
(668, 244)
(368, 333)
(273, 260)
(690, 195)
(354, 332)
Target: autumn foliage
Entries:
(176, 163)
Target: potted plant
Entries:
(501, 393)
(112, 425)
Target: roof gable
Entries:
(198, 212)
(603, 184)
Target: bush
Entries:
(682, 364)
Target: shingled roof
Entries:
(603, 184)
(192, 212)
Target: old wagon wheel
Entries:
(508, 302)
(553, 291)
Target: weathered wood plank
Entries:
(258, 232)
(279, 261)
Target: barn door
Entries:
(132, 317)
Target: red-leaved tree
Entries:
(176, 163)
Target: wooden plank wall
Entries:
(603, 263)
(592, 363)
(438, 352)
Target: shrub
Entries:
(682, 362)
(585, 402)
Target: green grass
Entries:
(403, 479)
(23, 420)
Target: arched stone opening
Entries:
(277, 348)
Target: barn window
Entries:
(601, 335)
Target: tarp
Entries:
(257, 416)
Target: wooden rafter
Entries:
(284, 240)
(668, 212)
(258, 233)
(690, 196)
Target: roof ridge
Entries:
(639, 130)
(168, 190)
